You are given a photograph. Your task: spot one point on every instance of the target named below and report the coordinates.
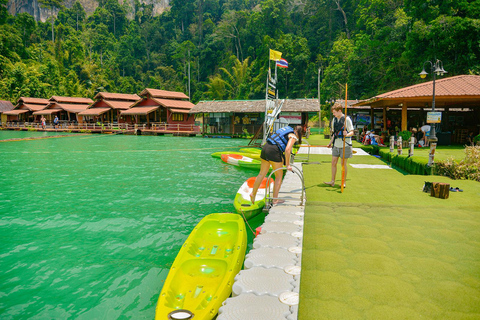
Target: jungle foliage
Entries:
(373, 45)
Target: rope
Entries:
(246, 221)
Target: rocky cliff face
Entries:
(34, 8)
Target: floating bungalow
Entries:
(66, 108)
(239, 117)
(25, 108)
(161, 109)
(108, 106)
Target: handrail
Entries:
(70, 125)
(269, 199)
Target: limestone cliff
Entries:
(34, 8)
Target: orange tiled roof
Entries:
(93, 111)
(464, 85)
(156, 93)
(73, 108)
(117, 96)
(119, 104)
(29, 100)
(138, 110)
(15, 112)
(179, 104)
(47, 111)
(34, 107)
(71, 100)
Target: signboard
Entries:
(434, 117)
(292, 117)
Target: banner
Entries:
(275, 55)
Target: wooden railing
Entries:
(65, 126)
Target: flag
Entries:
(275, 55)
(282, 63)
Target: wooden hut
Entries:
(5, 107)
(25, 108)
(161, 108)
(236, 117)
(107, 107)
(66, 108)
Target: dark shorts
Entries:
(271, 152)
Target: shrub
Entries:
(476, 139)
(326, 128)
(468, 168)
(405, 135)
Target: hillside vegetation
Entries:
(373, 45)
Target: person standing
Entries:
(55, 122)
(277, 152)
(43, 120)
(341, 127)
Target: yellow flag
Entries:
(275, 55)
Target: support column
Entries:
(372, 118)
(385, 119)
(404, 116)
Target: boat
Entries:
(201, 276)
(241, 161)
(242, 202)
(255, 156)
(251, 150)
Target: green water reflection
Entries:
(91, 224)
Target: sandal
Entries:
(458, 189)
(453, 189)
(331, 184)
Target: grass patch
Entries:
(384, 249)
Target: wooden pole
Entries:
(344, 128)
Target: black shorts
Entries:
(271, 152)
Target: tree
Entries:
(53, 5)
(237, 84)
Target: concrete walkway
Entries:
(269, 285)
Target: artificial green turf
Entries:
(441, 153)
(384, 249)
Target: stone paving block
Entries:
(261, 281)
(251, 307)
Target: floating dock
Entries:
(269, 285)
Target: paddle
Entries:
(344, 128)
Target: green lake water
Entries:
(90, 224)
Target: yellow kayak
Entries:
(202, 274)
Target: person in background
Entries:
(414, 135)
(470, 138)
(426, 132)
(363, 134)
(55, 122)
(276, 153)
(341, 127)
(43, 120)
